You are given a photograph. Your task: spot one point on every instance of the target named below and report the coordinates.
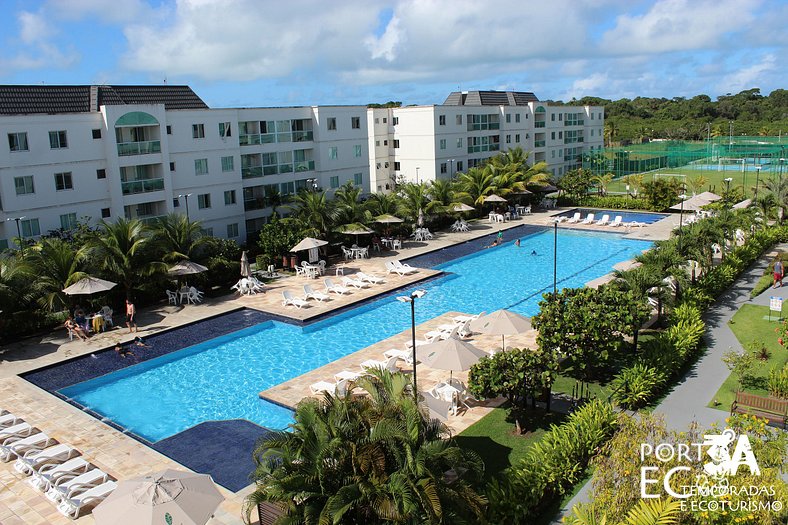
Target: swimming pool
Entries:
(626, 216)
(221, 378)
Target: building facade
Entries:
(103, 152)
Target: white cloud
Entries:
(38, 50)
(386, 46)
(112, 11)
(33, 28)
(749, 77)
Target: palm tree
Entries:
(179, 238)
(383, 204)
(415, 199)
(779, 189)
(14, 271)
(611, 130)
(349, 207)
(602, 182)
(315, 211)
(474, 185)
(55, 266)
(644, 283)
(634, 181)
(442, 192)
(646, 512)
(697, 183)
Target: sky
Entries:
(262, 53)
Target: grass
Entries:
(749, 325)
(493, 438)
(714, 179)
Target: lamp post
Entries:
(555, 259)
(757, 179)
(415, 294)
(18, 233)
(417, 175)
(728, 184)
(683, 197)
(186, 198)
(451, 168)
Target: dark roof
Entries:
(24, 100)
(490, 98)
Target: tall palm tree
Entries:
(349, 207)
(643, 282)
(602, 182)
(315, 211)
(178, 238)
(14, 272)
(442, 192)
(779, 189)
(383, 204)
(611, 130)
(55, 266)
(474, 185)
(415, 199)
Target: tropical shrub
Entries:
(778, 382)
(276, 239)
(635, 386)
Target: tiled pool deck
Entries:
(124, 457)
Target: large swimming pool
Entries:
(221, 378)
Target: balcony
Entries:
(539, 143)
(539, 124)
(139, 148)
(251, 172)
(257, 203)
(142, 186)
(251, 140)
(302, 136)
(306, 165)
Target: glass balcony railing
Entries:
(139, 148)
(270, 138)
(539, 143)
(302, 136)
(257, 203)
(142, 186)
(539, 124)
(305, 165)
(251, 172)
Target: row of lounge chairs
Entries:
(58, 470)
(400, 268)
(358, 281)
(591, 220)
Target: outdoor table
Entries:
(520, 210)
(183, 295)
(358, 253)
(387, 241)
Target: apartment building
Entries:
(103, 152)
(423, 143)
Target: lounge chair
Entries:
(372, 279)
(458, 319)
(73, 506)
(14, 446)
(399, 268)
(356, 283)
(434, 335)
(9, 420)
(405, 355)
(604, 220)
(72, 485)
(463, 329)
(50, 473)
(438, 408)
(589, 219)
(336, 288)
(32, 460)
(616, 222)
(290, 299)
(389, 364)
(310, 293)
(339, 388)
(347, 375)
(405, 266)
(574, 219)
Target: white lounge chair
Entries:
(463, 329)
(574, 219)
(14, 446)
(290, 299)
(336, 288)
(589, 219)
(462, 318)
(347, 375)
(372, 279)
(339, 388)
(404, 355)
(604, 220)
(73, 506)
(356, 283)
(616, 222)
(72, 485)
(50, 473)
(32, 460)
(310, 293)
(405, 266)
(21, 429)
(389, 364)
(9, 420)
(442, 334)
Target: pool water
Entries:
(626, 216)
(221, 378)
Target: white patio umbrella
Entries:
(503, 323)
(169, 497)
(692, 204)
(494, 198)
(460, 207)
(308, 243)
(186, 268)
(709, 196)
(388, 219)
(743, 204)
(89, 285)
(449, 354)
(246, 271)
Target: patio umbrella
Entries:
(524, 192)
(449, 354)
(692, 204)
(494, 198)
(171, 497)
(89, 285)
(354, 228)
(420, 220)
(186, 268)
(246, 271)
(544, 188)
(308, 243)
(388, 219)
(503, 323)
(709, 196)
(460, 207)
(743, 204)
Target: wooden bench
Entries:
(771, 408)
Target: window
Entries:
(560, 117)
(357, 151)
(443, 144)
(459, 166)
(385, 142)
(57, 140)
(355, 122)
(101, 173)
(377, 120)
(357, 179)
(106, 213)
(333, 152)
(204, 201)
(229, 198)
(394, 121)
(517, 138)
(508, 139)
(458, 119)
(176, 202)
(334, 182)
(443, 167)
(552, 154)
(442, 120)
(552, 135)
(68, 221)
(459, 142)
(225, 130)
(396, 166)
(17, 141)
(600, 115)
(592, 131)
(232, 230)
(198, 131)
(377, 165)
(396, 143)
(377, 143)
(227, 164)
(172, 166)
(30, 228)
(560, 134)
(169, 130)
(385, 164)
(385, 120)
(63, 181)
(508, 118)
(200, 166)
(517, 117)
(208, 232)
(96, 133)
(24, 185)
(552, 117)
(331, 124)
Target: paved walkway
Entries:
(688, 399)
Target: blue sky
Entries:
(305, 52)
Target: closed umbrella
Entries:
(420, 220)
(186, 268)
(503, 323)
(449, 354)
(246, 271)
(89, 285)
(170, 497)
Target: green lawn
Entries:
(493, 439)
(714, 179)
(749, 325)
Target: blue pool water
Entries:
(221, 378)
(626, 216)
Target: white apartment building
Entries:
(103, 152)
(422, 143)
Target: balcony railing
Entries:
(251, 172)
(142, 186)
(139, 148)
(270, 138)
(539, 143)
(539, 124)
(257, 203)
(302, 136)
(305, 165)
(574, 123)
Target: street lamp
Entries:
(451, 168)
(186, 198)
(757, 178)
(18, 233)
(728, 184)
(555, 259)
(415, 294)
(417, 175)
(683, 197)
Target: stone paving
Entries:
(123, 457)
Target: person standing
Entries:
(779, 273)
(131, 313)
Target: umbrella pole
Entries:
(503, 343)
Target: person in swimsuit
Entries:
(131, 312)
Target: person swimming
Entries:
(517, 243)
(533, 252)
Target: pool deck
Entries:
(124, 457)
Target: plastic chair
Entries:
(172, 297)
